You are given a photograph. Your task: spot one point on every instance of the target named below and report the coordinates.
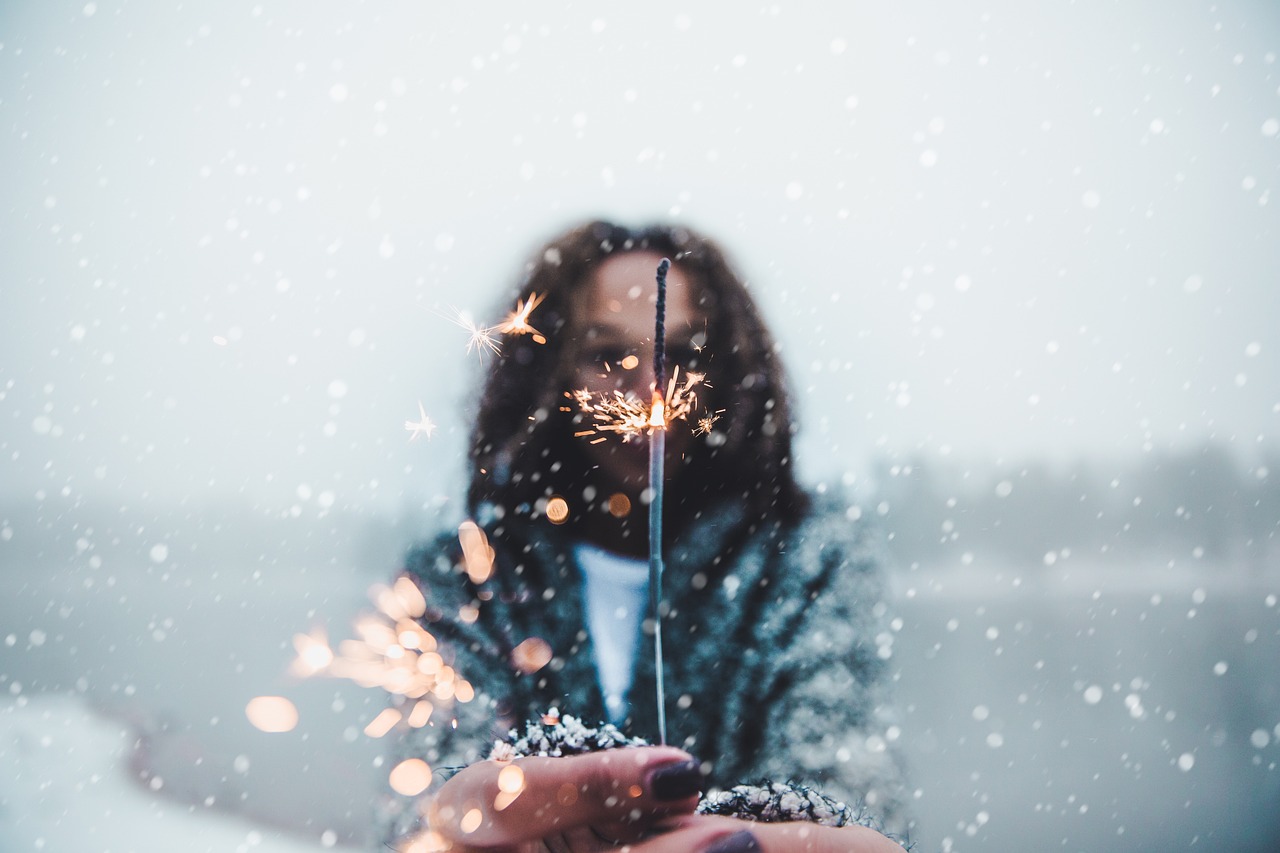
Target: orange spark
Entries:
(557, 510)
(476, 553)
(410, 777)
(517, 322)
(271, 713)
(383, 723)
(391, 651)
(531, 655)
(314, 654)
(628, 417)
(707, 422)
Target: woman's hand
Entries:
(599, 801)
(713, 834)
(638, 800)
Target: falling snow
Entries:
(1027, 301)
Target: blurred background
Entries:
(1022, 260)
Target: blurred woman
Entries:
(770, 602)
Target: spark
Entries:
(517, 322)
(410, 777)
(624, 415)
(707, 422)
(383, 723)
(424, 426)
(391, 650)
(531, 655)
(510, 786)
(314, 654)
(272, 713)
(476, 552)
(479, 338)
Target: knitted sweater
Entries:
(770, 650)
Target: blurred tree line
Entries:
(1202, 504)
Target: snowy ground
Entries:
(1057, 708)
(67, 785)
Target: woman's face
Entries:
(614, 351)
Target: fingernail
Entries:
(676, 781)
(739, 842)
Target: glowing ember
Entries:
(314, 654)
(471, 821)
(410, 597)
(511, 779)
(428, 842)
(271, 713)
(707, 422)
(383, 723)
(619, 505)
(517, 322)
(531, 655)
(510, 786)
(476, 552)
(421, 713)
(410, 777)
(391, 651)
(557, 510)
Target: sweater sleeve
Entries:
(829, 717)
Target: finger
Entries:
(713, 834)
(499, 803)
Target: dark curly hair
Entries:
(523, 447)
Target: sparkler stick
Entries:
(657, 450)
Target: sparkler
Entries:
(628, 417)
(657, 450)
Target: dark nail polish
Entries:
(676, 781)
(739, 842)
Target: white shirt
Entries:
(614, 590)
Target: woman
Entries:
(768, 596)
